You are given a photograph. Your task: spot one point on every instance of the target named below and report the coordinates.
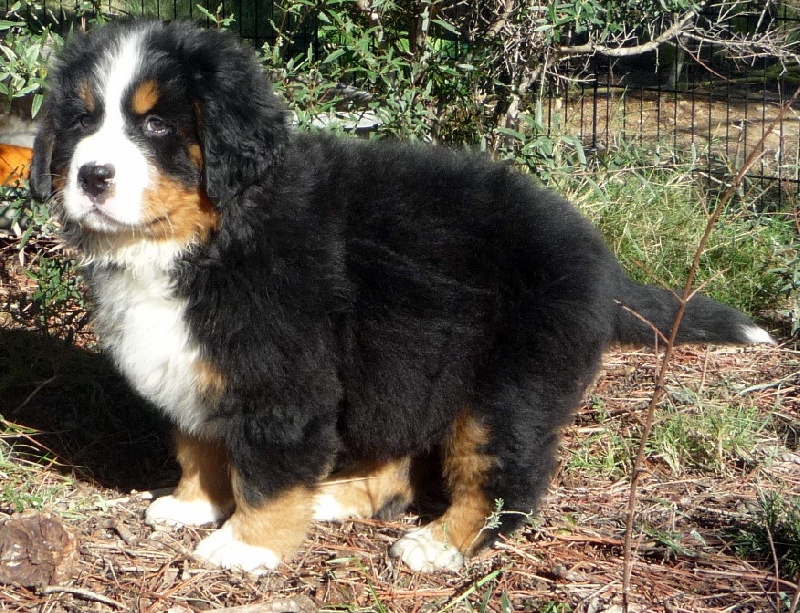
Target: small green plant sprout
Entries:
(57, 294)
(494, 521)
(219, 18)
(773, 535)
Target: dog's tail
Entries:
(643, 309)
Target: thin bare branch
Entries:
(80, 593)
(677, 29)
(658, 390)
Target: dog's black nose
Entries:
(95, 179)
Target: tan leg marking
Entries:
(279, 524)
(442, 544)
(364, 492)
(204, 494)
(256, 538)
(204, 471)
(466, 467)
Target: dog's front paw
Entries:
(173, 511)
(422, 552)
(222, 548)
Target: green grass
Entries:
(484, 590)
(773, 536)
(376, 606)
(28, 474)
(653, 218)
(693, 434)
(711, 439)
(604, 450)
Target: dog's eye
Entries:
(156, 126)
(84, 121)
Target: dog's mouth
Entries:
(95, 218)
(123, 226)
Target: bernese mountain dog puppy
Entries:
(315, 313)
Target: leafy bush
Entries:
(428, 94)
(425, 72)
(24, 47)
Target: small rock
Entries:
(36, 550)
(569, 575)
(297, 604)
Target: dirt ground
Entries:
(105, 455)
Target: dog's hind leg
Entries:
(500, 454)
(443, 543)
(379, 489)
(204, 493)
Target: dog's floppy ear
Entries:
(242, 124)
(41, 179)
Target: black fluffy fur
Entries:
(357, 296)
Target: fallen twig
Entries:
(796, 598)
(80, 593)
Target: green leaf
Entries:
(509, 132)
(36, 104)
(446, 25)
(331, 57)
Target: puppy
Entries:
(314, 313)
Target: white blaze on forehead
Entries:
(111, 145)
(116, 73)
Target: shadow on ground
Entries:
(83, 413)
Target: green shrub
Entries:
(774, 534)
(422, 76)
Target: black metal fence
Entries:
(700, 105)
(253, 21)
(707, 107)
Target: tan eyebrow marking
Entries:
(145, 97)
(86, 95)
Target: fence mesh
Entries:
(698, 104)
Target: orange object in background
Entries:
(14, 164)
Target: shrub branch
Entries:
(666, 361)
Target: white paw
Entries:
(175, 512)
(423, 553)
(220, 548)
(327, 508)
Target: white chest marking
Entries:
(141, 325)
